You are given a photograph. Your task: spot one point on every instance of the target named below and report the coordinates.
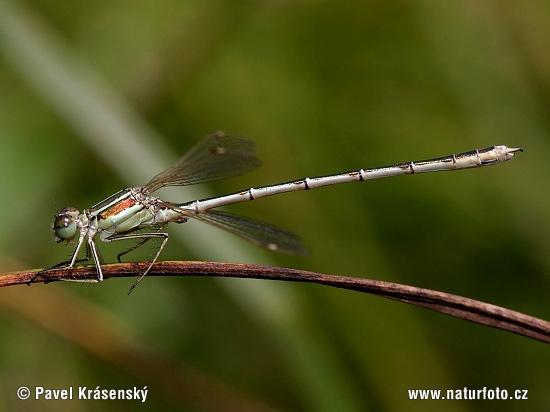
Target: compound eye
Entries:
(64, 227)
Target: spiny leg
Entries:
(68, 264)
(146, 237)
(91, 249)
(139, 244)
(97, 260)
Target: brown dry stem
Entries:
(453, 305)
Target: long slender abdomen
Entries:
(474, 158)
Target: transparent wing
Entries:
(263, 234)
(216, 156)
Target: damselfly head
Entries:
(64, 226)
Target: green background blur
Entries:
(101, 95)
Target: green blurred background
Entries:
(101, 95)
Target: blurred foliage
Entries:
(322, 87)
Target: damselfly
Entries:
(127, 213)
